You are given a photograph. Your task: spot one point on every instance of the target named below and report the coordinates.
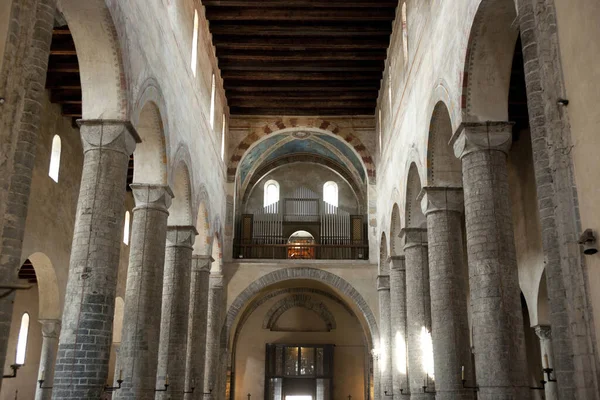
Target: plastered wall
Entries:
(349, 352)
(307, 175)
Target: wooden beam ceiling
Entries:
(301, 57)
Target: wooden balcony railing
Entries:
(302, 252)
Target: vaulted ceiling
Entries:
(301, 57)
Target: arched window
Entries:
(213, 98)
(126, 227)
(22, 340)
(404, 33)
(194, 62)
(55, 158)
(271, 192)
(223, 138)
(330, 193)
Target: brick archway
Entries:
(282, 124)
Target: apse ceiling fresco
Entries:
(319, 144)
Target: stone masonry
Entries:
(86, 335)
(398, 322)
(172, 348)
(418, 312)
(495, 294)
(385, 335)
(198, 314)
(443, 208)
(215, 300)
(141, 323)
(22, 85)
(50, 333)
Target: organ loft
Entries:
(299, 200)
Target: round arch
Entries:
(49, 296)
(384, 268)
(180, 212)
(488, 62)
(299, 273)
(414, 215)
(443, 167)
(104, 91)
(396, 248)
(202, 244)
(287, 124)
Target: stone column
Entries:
(87, 322)
(448, 276)
(196, 350)
(500, 357)
(141, 321)
(50, 333)
(172, 347)
(22, 82)
(385, 335)
(398, 302)
(544, 332)
(215, 303)
(418, 313)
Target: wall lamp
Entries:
(588, 240)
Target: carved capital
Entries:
(398, 263)
(544, 332)
(216, 281)
(202, 263)
(437, 199)
(414, 237)
(383, 282)
(156, 197)
(113, 135)
(472, 137)
(50, 328)
(181, 236)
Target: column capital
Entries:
(181, 236)
(216, 281)
(202, 263)
(437, 199)
(50, 328)
(472, 137)
(110, 134)
(398, 263)
(150, 196)
(414, 237)
(383, 282)
(544, 332)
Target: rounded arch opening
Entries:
(50, 307)
(443, 167)
(488, 63)
(414, 215)
(180, 212)
(396, 247)
(150, 156)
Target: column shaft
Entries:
(418, 313)
(86, 336)
(398, 309)
(50, 333)
(499, 343)
(215, 303)
(196, 351)
(544, 332)
(22, 82)
(172, 348)
(448, 287)
(141, 323)
(385, 335)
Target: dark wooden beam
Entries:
(300, 76)
(301, 3)
(299, 30)
(290, 86)
(301, 111)
(274, 45)
(312, 66)
(244, 56)
(299, 96)
(299, 14)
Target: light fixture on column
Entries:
(426, 385)
(166, 384)
(548, 372)
(464, 381)
(41, 381)
(588, 240)
(106, 387)
(208, 393)
(192, 388)
(15, 368)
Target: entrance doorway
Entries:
(296, 372)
